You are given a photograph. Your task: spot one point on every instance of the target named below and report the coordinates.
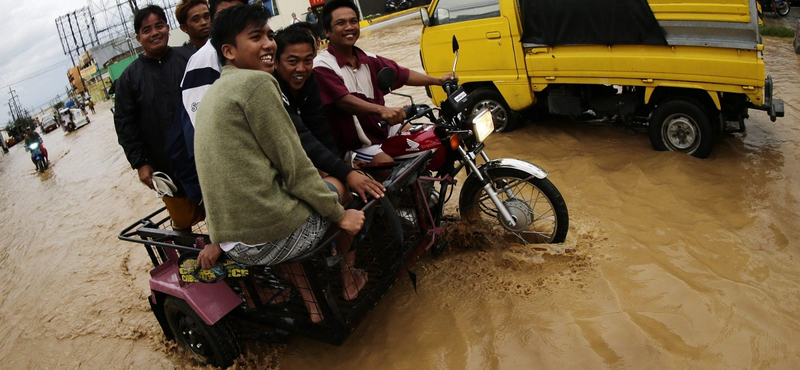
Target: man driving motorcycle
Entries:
(347, 79)
(33, 137)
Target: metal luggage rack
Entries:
(391, 236)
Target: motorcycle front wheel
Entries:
(538, 207)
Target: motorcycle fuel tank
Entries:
(411, 143)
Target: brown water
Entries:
(675, 262)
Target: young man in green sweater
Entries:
(265, 202)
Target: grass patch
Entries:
(777, 31)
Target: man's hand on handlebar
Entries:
(209, 255)
(352, 221)
(447, 77)
(393, 115)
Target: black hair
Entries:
(232, 21)
(327, 11)
(183, 7)
(294, 34)
(145, 12)
(213, 4)
(306, 26)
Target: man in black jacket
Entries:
(147, 94)
(294, 61)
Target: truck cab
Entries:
(689, 70)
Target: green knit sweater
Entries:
(258, 184)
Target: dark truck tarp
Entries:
(589, 22)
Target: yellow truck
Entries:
(689, 70)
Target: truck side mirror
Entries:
(386, 79)
(455, 44)
(423, 13)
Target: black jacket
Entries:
(147, 96)
(312, 126)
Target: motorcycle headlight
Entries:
(34, 146)
(483, 125)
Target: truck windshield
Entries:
(452, 11)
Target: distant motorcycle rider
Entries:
(33, 137)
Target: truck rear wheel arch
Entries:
(708, 100)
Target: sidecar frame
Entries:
(393, 238)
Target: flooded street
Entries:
(673, 262)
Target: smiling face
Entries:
(344, 28)
(153, 36)
(254, 49)
(198, 22)
(295, 64)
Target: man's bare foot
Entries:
(354, 281)
(314, 311)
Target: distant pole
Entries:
(361, 18)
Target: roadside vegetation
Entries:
(777, 31)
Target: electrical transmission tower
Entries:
(104, 21)
(77, 32)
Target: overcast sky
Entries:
(32, 61)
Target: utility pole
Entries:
(15, 103)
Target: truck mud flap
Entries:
(776, 109)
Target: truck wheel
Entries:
(505, 120)
(215, 345)
(681, 126)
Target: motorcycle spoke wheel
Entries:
(534, 202)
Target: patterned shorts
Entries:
(302, 240)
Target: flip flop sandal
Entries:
(191, 272)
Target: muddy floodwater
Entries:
(671, 262)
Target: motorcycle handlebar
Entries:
(410, 110)
(450, 86)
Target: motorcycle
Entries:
(779, 7)
(38, 156)
(508, 195)
(395, 5)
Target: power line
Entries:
(37, 73)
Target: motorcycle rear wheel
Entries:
(542, 213)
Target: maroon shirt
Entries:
(336, 78)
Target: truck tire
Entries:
(505, 120)
(681, 126)
(208, 344)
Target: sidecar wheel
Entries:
(215, 344)
(505, 120)
(539, 208)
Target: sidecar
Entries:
(210, 319)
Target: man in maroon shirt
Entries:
(347, 77)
